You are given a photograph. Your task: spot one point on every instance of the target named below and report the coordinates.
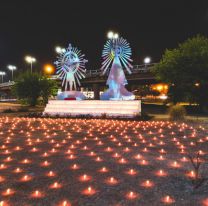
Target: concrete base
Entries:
(94, 108)
(71, 94)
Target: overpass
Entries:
(141, 74)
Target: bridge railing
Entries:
(96, 73)
(136, 69)
(7, 84)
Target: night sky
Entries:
(36, 27)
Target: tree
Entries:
(185, 69)
(48, 87)
(31, 86)
(145, 90)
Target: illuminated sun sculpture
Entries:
(71, 68)
(116, 52)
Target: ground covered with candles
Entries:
(78, 162)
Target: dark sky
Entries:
(36, 27)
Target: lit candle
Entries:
(161, 173)
(191, 174)
(37, 194)
(2, 179)
(75, 167)
(131, 195)
(84, 178)
(8, 192)
(89, 191)
(65, 203)
(168, 200)
(131, 172)
(55, 185)
(25, 178)
(50, 174)
(111, 181)
(17, 170)
(122, 161)
(147, 184)
(103, 170)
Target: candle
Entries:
(89, 191)
(50, 174)
(131, 195)
(168, 200)
(147, 184)
(111, 181)
(84, 178)
(8, 192)
(103, 170)
(55, 185)
(161, 173)
(131, 172)
(37, 194)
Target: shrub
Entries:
(177, 113)
(8, 111)
(23, 109)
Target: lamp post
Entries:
(60, 50)
(12, 68)
(2, 76)
(30, 60)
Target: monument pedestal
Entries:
(94, 108)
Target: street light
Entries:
(12, 68)
(112, 35)
(60, 50)
(30, 60)
(49, 69)
(2, 76)
(147, 60)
